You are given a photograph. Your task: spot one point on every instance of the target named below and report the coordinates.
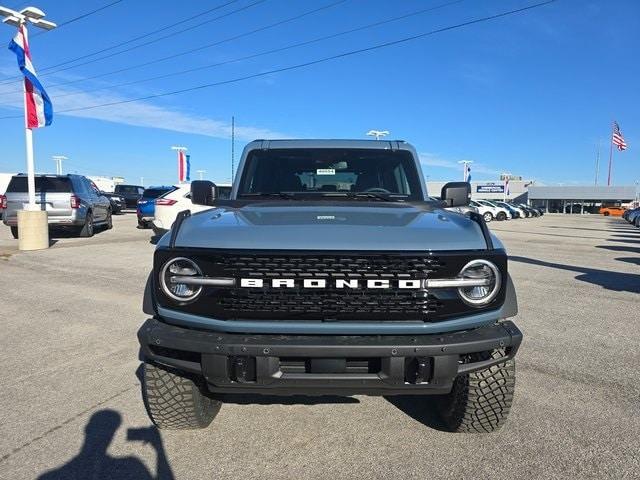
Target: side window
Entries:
(89, 186)
(79, 185)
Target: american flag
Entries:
(617, 139)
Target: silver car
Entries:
(71, 201)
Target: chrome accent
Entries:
(498, 283)
(164, 286)
(456, 282)
(209, 281)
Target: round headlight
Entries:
(173, 272)
(484, 279)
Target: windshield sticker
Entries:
(326, 171)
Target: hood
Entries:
(374, 227)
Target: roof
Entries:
(331, 143)
(582, 193)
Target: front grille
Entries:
(330, 303)
(339, 266)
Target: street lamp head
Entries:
(32, 12)
(44, 24)
(12, 20)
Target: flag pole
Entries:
(610, 157)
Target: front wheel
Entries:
(175, 401)
(487, 217)
(479, 402)
(606, 214)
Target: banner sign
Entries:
(489, 188)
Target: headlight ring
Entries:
(171, 271)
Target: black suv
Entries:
(131, 194)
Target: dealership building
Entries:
(554, 199)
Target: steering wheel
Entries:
(376, 190)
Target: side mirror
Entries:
(456, 194)
(203, 192)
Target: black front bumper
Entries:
(331, 364)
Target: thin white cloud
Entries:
(143, 114)
(433, 160)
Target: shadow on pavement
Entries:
(93, 462)
(420, 408)
(618, 281)
(634, 260)
(620, 248)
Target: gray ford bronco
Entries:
(330, 271)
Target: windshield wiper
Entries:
(268, 194)
(384, 197)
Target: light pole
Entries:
(58, 159)
(378, 133)
(200, 173)
(19, 20)
(465, 172)
(33, 227)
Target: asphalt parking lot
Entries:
(70, 397)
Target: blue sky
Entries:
(531, 94)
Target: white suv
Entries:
(487, 212)
(174, 201)
(501, 213)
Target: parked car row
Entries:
(632, 216)
(496, 210)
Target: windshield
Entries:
(335, 173)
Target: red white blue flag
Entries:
(39, 110)
(184, 167)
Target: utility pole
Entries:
(597, 162)
(466, 169)
(142, 181)
(610, 156)
(378, 133)
(200, 172)
(233, 145)
(58, 159)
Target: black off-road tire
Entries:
(479, 401)
(174, 401)
(14, 232)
